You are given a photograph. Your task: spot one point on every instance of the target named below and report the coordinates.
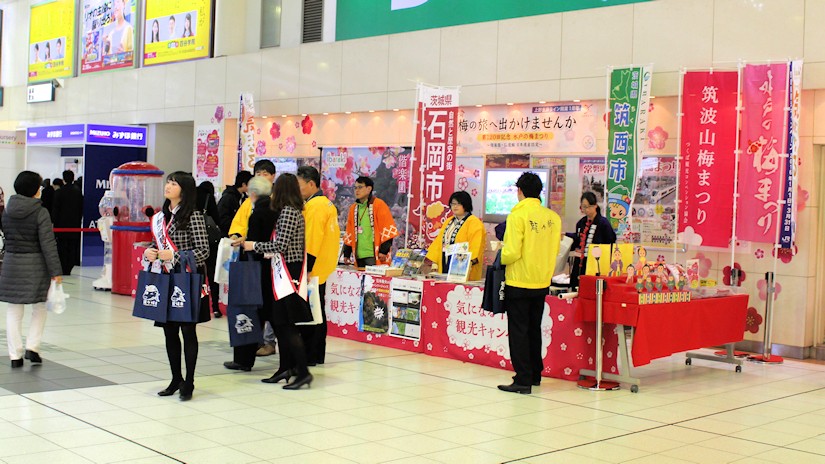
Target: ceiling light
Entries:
(348, 112)
(303, 114)
(372, 111)
(576, 101)
(478, 106)
(542, 102)
(509, 104)
(395, 109)
(283, 115)
(326, 114)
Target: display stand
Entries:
(598, 384)
(728, 352)
(766, 357)
(729, 357)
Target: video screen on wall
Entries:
(51, 40)
(501, 193)
(177, 30)
(108, 35)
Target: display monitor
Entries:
(501, 193)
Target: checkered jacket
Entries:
(192, 238)
(289, 237)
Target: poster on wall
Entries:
(556, 182)
(592, 171)
(375, 304)
(207, 161)
(550, 128)
(654, 207)
(176, 30)
(433, 167)
(468, 179)
(629, 97)
(388, 167)
(51, 40)
(708, 157)
(107, 35)
(405, 313)
(761, 164)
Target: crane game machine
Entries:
(137, 188)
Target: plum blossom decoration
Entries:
(290, 144)
(306, 125)
(656, 138)
(762, 285)
(785, 254)
(219, 113)
(275, 131)
(753, 320)
(260, 148)
(704, 264)
(759, 253)
(727, 271)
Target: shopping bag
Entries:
(245, 328)
(185, 294)
(56, 298)
(226, 254)
(245, 282)
(314, 299)
(493, 298)
(151, 296)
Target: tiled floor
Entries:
(93, 400)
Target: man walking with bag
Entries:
(531, 243)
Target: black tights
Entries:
(190, 349)
(291, 346)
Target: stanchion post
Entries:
(766, 357)
(598, 385)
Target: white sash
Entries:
(283, 284)
(160, 231)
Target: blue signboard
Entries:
(92, 134)
(70, 134)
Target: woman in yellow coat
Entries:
(461, 227)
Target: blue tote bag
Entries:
(493, 298)
(152, 296)
(185, 290)
(245, 282)
(245, 328)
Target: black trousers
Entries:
(525, 308)
(363, 262)
(315, 336)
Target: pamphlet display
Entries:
(405, 315)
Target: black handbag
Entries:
(212, 230)
(493, 297)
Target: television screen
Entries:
(501, 192)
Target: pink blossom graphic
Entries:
(306, 125)
(704, 264)
(785, 254)
(656, 138)
(275, 131)
(726, 273)
(802, 197)
(660, 259)
(460, 167)
(475, 192)
(463, 183)
(762, 285)
(219, 113)
(328, 188)
(297, 125)
(753, 320)
(258, 131)
(759, 253)
(314, 144)
(260, 149)
(477, 174)
(570, 135)
(290, 144)
(280, 146)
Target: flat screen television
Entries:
(501, 193)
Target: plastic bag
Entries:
(56, 298)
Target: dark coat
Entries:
(604, 233)
(31, 252)
(261, 225)
(67, 207)
(227, 207)
(206, 204)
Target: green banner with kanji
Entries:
(629, 97)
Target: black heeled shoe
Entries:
(186, 390)
(217, 314)
(279, 375)
(174, 385)
(300, 382)
(17, 363)
(33, 357)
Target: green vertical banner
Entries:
(628, 100)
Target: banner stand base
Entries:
(591, 384)
(762, 359)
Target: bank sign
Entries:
(367, 18)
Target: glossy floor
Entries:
(93, 400)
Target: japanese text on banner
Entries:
(787, 231)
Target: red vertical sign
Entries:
(433, 170)
(708, 157)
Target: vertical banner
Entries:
(51, 40)
(629, 98)
(207, 161)
(787, 233)
(433, 167)
(246, 133)
(108, 35)
(761, 164)
(708, 157)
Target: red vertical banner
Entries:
(708, 157)
(433, 167)
(762, 162)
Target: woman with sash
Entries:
(180, 227)
(592, 229)
(461, 227)
(289, 278)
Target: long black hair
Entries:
(188, 197)
(286, 192)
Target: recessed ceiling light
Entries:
(395, 109)
(303, 114)
(478, 106)
(283, 115)
(372, 111)
(652, 97)
(542, 102)
(326, 114)
(509, 104)
(348, 112)
(576, 101)
(264, 117)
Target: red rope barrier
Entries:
(76, 229)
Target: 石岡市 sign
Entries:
(433, 168)
(761, 164)
(629, 97)
(708, 157)
(552, 128)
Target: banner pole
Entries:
(607, 112)
(679, 115)
(737, 151)
(421, 169)
(412, 163)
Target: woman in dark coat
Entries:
(261, 223)
(592, 229)
(186, 229)
(208, 206)
(288, 203)
(31, 262)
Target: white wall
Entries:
(171, 146)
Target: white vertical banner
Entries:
(246, 133)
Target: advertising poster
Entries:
(207, 161)
(108, 34)
(566, 128)
(761, 164)
(592, 172)
(375, 305)
(247, 150)
(654, 207)
(629, 98)
(433, 167)
(556, 182)
(176, 30)
(468, 179)
(51, 40)
(405, 315)
(708, 157)
(388, 167)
